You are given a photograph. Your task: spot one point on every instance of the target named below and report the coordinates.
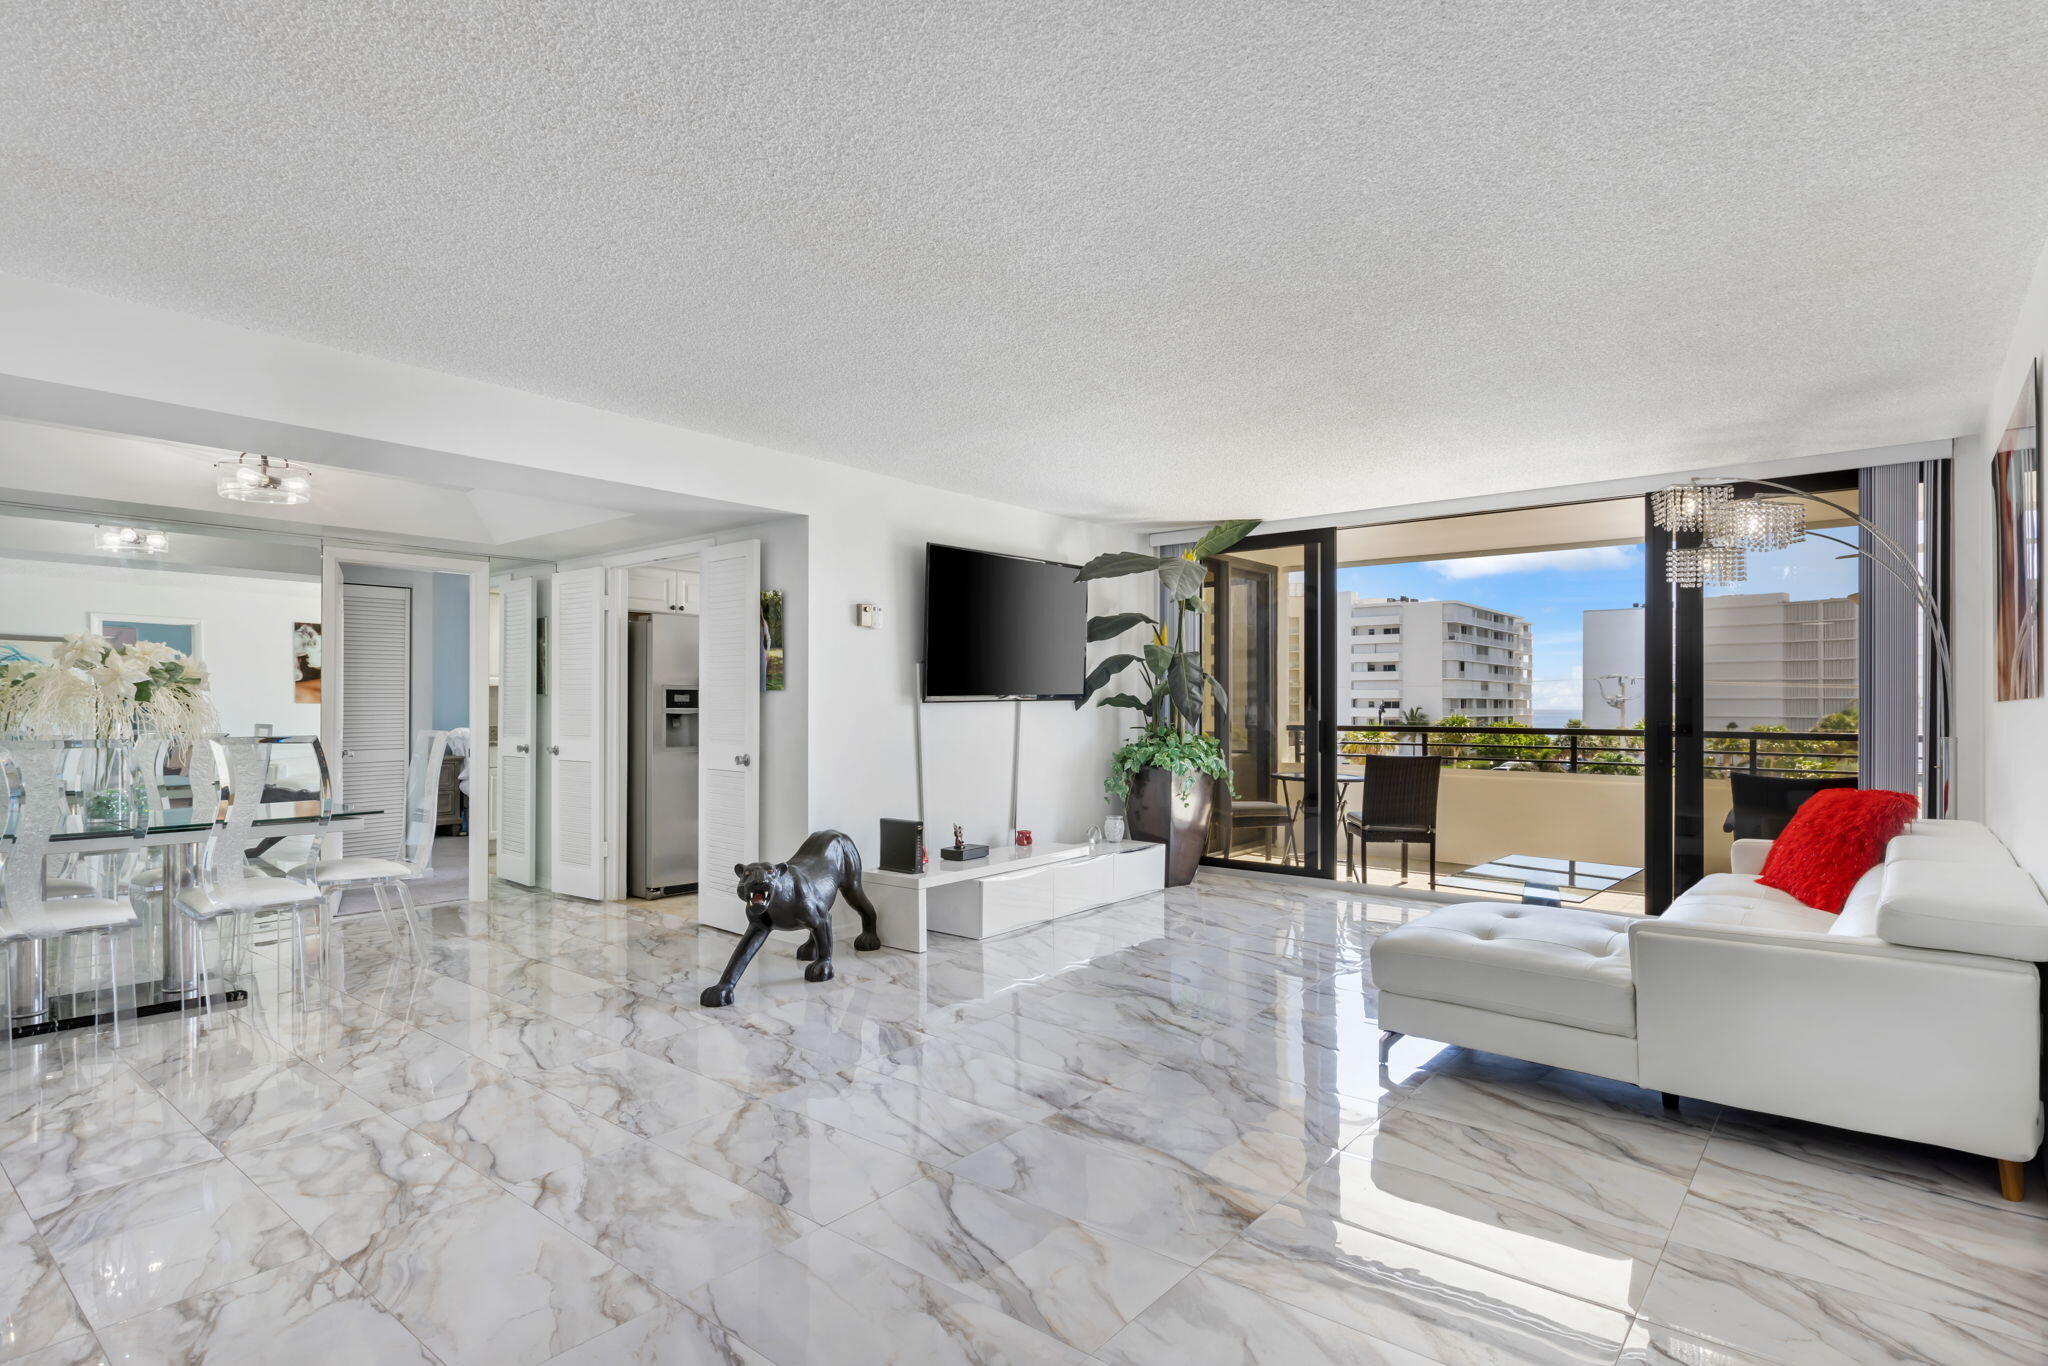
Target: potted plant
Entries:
(1167, 773)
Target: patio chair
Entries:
(1760, 808)
(1396, 805)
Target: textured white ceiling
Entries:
(1125, 259)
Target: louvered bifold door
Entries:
(376, 713)
(576, 732)
(729, 728)
(516, 735)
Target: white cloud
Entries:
(1558, 694)
(1581, 560)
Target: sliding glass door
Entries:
(1267, 643)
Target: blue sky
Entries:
(1552, 587)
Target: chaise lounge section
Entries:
(1915, 1013)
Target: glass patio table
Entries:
(1542, 881)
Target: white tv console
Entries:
(1009, 889)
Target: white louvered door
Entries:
(516, 735)
(376, 712)
(729, 728)
(576, 732)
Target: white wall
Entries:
(2004, 742)
(866, 538)
(245, 632)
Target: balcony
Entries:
(1558, 792)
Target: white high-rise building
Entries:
(1771, 659)
(1445, 657)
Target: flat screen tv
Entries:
(998, 626)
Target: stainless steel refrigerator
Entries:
(661, 762)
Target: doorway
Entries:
(1268, 647)
(403, 651)
(663, 616)
(1504, 648)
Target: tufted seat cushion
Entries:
(1568, 967)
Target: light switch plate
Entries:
(868, 615)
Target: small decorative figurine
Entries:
(1023, 839)
(799, 895)
(959, 851)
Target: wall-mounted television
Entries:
(1001, 626)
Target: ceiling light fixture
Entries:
(129, 540)
(250, 478)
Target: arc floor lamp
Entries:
(1730, 528)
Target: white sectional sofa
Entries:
(1915, 1013)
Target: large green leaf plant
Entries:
(1172, 688)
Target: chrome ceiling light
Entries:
(129, 540)
(250, 478)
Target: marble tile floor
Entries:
(1152, 1135)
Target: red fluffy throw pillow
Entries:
(1834, 838)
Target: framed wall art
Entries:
(2016, 522)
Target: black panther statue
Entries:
(798, 895)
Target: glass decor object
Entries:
(111, 791)
(1689, 507)
(250, 478)
(1755, 524)
(1706, 566)
(1113, 829)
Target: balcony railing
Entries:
(1583, 749)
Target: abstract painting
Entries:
(306, 661)
(2016, 510)
(16, 649)
(773, 675)
(182, 636)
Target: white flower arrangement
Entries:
(94, 689)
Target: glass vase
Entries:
(109, 790)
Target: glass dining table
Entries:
(180, 832)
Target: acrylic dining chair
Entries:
(386, 878)
(182, 779)
(41, 912)
(228, 890)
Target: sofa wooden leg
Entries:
(2012, 1179)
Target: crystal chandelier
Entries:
(1705, 566)
(1688, 507)
(1756, 524)
(252, 478)
(1728, 527)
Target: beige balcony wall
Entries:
(1485, 813)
